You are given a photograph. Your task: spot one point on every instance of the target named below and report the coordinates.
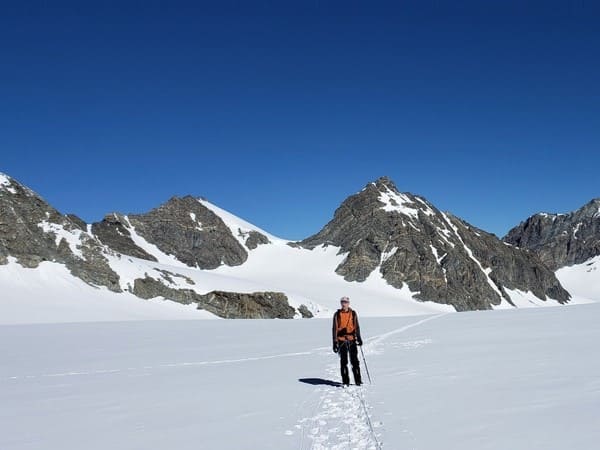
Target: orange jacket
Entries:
(345, 326)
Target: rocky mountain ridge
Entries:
(443, 258)
(379, 231)
(561, 239)
(31, 231)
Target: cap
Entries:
(344, 299)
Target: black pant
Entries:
(345, 348)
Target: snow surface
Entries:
(310, 274)
(237, 225)
(518, 379)
(395, 201)
(582, 280)
(50, 294)
(528, 299)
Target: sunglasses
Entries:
(344, 301)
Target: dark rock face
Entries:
(113, 233)
(442, 257)
(229, 305)
(182, 227)
(258, 305)
(255, 239)
(77, 221)
(561, 239)
(32, 231)
(304, 311)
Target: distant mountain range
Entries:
(394, 252)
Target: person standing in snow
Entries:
(346, 336)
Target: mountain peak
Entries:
(9, 184)
(408, 242)
(6, 183)
(384, 182)
(560, 239)
(593, 206)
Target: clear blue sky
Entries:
(277, 111)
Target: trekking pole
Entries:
(365, 361)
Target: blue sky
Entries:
(277, 111)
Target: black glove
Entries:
(335, 347)
(359, 342)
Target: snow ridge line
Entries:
(160, 366)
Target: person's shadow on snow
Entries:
(319, 381)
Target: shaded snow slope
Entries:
(270, 384)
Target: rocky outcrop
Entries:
(32, 231)
(77, 222)
(441, 257)
(182, 227)
(113, 232)
(305, 312)
(229, 305)
(258, 305)
(255, 239)
(561, 239)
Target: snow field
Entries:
(515, 379)
(582, 280)
(50, 294)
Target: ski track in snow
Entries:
(160, 366)
(372, 341)
(339, 418)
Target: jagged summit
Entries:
(409, 242)
(12, 186)
(561, 239)
(184, 227)
(384, 181)
(592, 208)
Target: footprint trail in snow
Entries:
(340, 421)
(341, 418)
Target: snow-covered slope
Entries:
(518, 380)
(582, 280)
(305, 276)
(309, 276)
(50, 294)
(237, 224)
